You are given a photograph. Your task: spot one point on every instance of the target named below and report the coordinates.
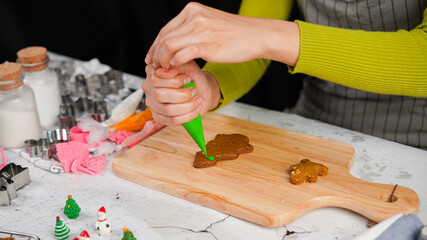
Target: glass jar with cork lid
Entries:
(19, 120)
(43, 81)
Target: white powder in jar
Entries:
(18, 117)
(46, 91)
(14, 137)
(43, 81)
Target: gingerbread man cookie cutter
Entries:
(44, 148)
(38, 148)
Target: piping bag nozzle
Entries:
(195, 129)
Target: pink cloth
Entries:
(71, 153)
(78, 135)
(94, 165)
(119, 136)
(74, 157)
(149, 129)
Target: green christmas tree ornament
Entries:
(61, 231)
(127, 235)
(195, 129)
(71, 209)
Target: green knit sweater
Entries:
(383, 62)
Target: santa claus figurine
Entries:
(103, 225)
(83, 236)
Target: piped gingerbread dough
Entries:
(307, 171)
(223, 147)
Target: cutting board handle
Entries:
(371, 200)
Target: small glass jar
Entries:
(19, 120)
(43, 81)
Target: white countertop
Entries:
(150, 214)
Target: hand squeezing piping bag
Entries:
(195, 129)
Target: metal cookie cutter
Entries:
(67, 114)
(99, 110)
(55, 136)
(83, 105)
(116, 77)
(7, 186)
(96, 108)
(13, 235)
(105, 84)
(12, 178)
(58, 135)
(7, 191)
(38, 148)
(81, 86)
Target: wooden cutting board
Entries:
(256, 186)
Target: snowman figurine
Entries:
(103, 225)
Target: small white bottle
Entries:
(43, 81)
(19, 120)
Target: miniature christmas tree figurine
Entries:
(71, 209)
(103, 225)
(127, 235)
(83, 236)
(61, 231)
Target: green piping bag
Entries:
(195, 129)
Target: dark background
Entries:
(119, 33)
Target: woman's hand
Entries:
(216, 36)
(173, 105)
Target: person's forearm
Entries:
(381, 62)
(215, 94)
(236, 79)
(283, 42)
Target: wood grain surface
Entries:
(256, 186)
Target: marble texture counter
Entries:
(151, 214)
